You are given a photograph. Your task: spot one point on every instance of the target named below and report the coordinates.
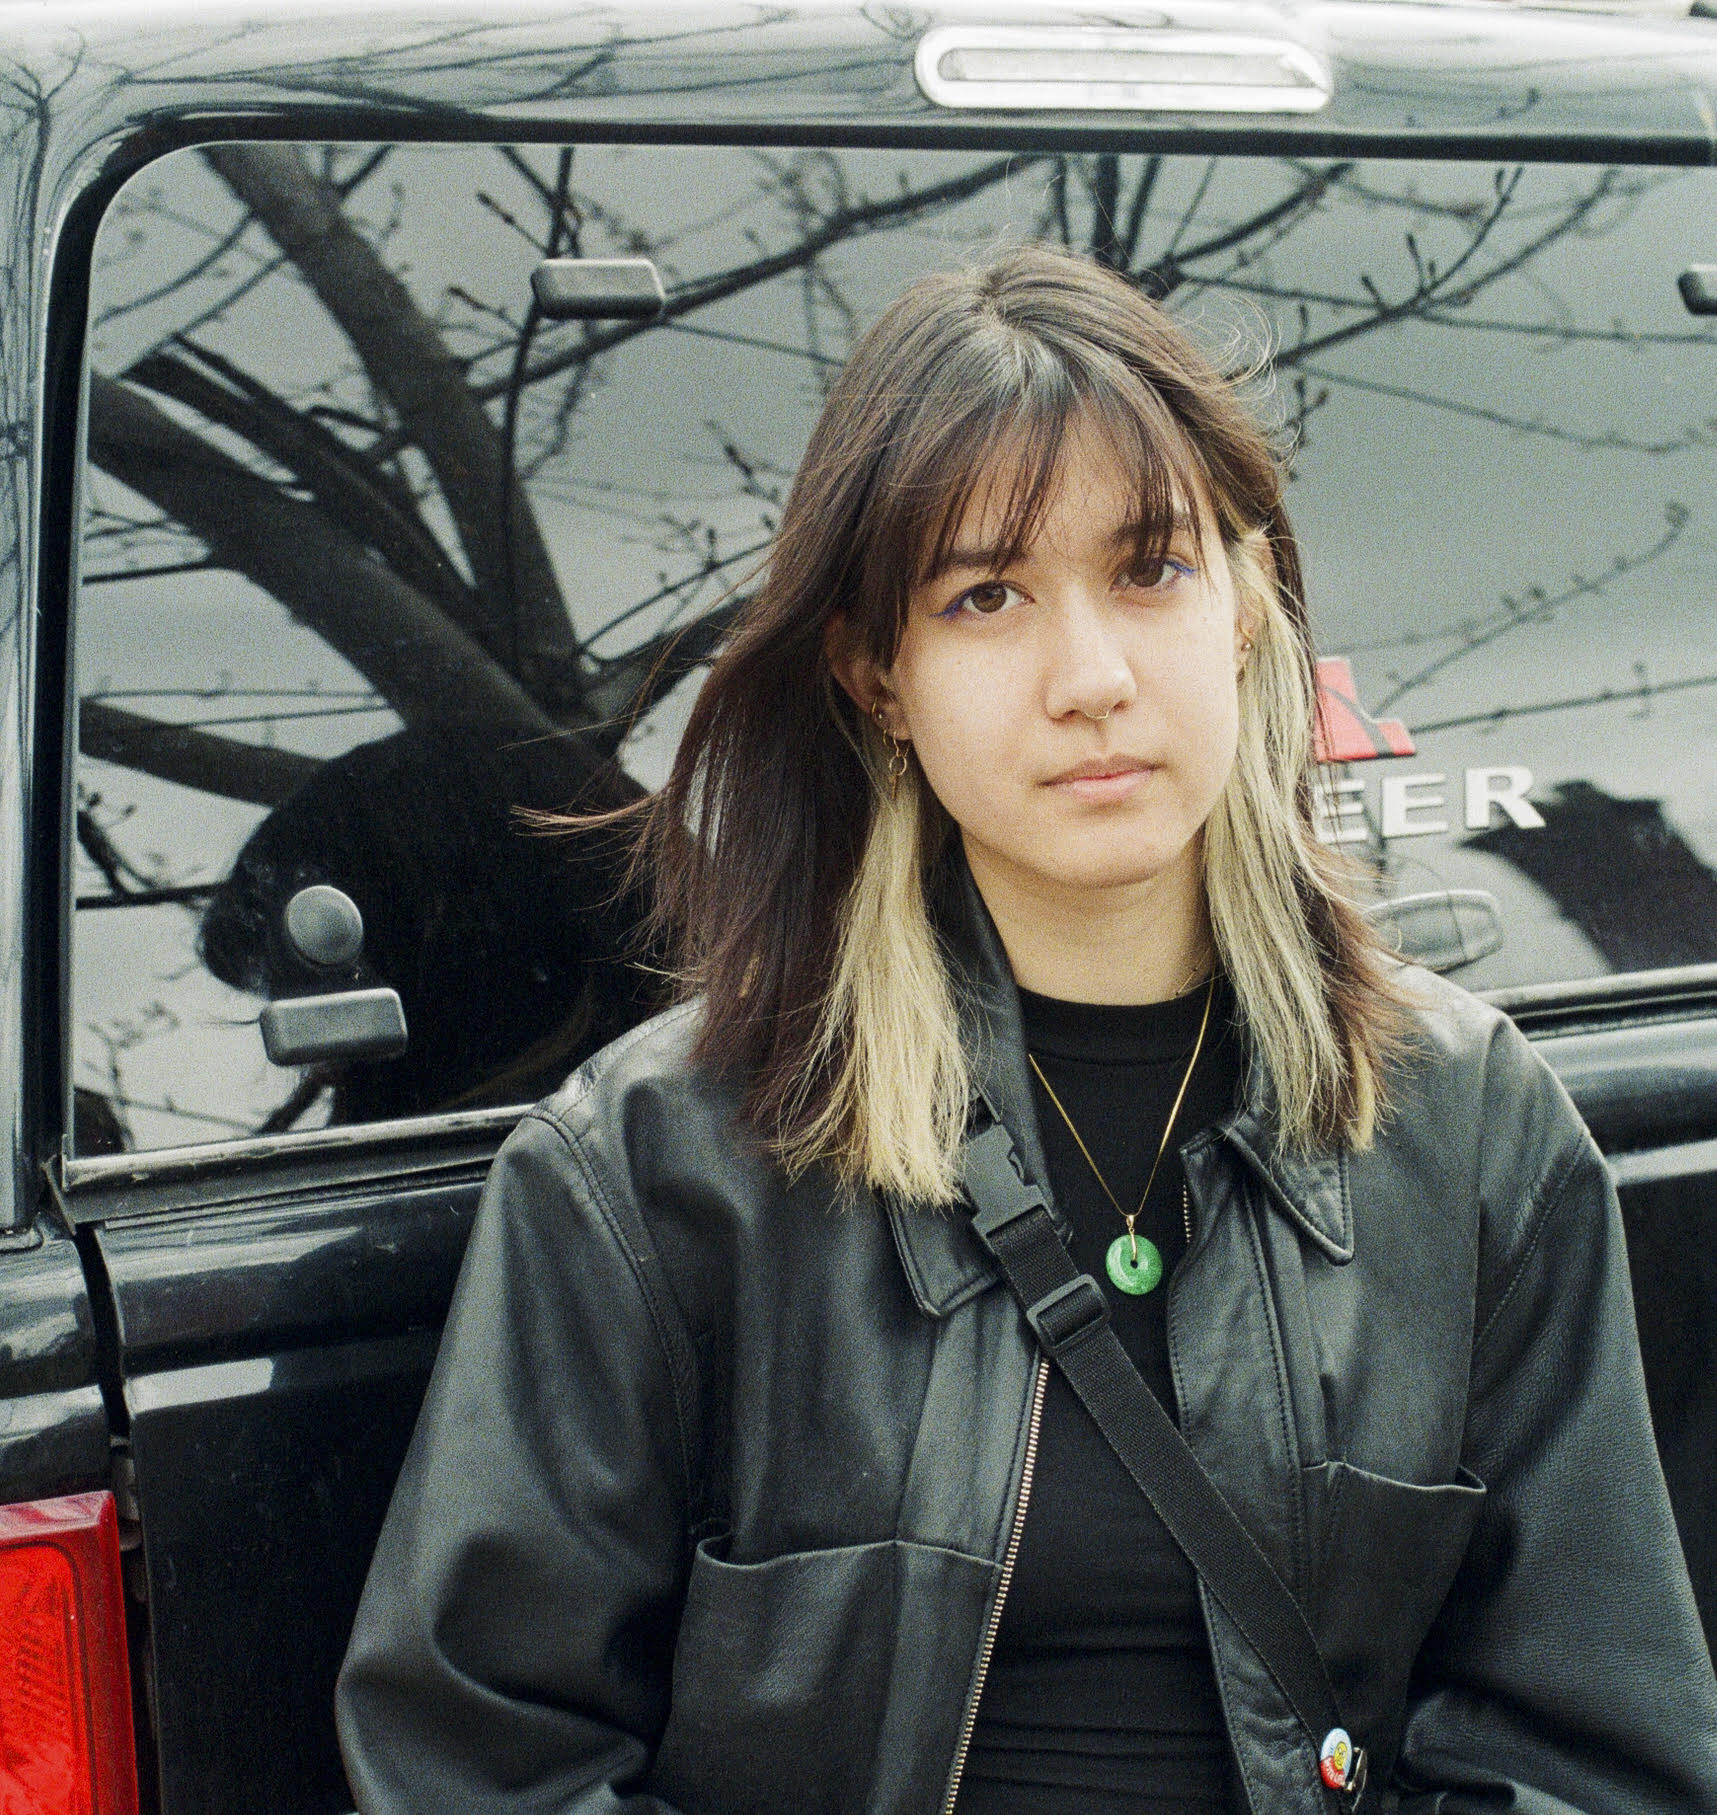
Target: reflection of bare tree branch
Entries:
(366, 502)
(711, 566)
(626, 688)
(120, 874)
(562, 237)
(850, 223)
(1447, 316)
(188, 894)
(408, 362)
(193, 759)
(1407, 198)
(427, 668)
(1190, 212)
(168, 1107)
(164, 570)
(305, 1094)
(183, 280)
(1562, 331)
(1136, 208)
(1442, 288)
(1169, 272)
(219, 307)
(1535, 609)
(1296, 425)
(353, 181)
(1106, 246)
(1701, 434)
(1642, 694)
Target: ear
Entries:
(1248, 614)
(864, 683)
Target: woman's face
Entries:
(1077, 719)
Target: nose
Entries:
(1088, 671)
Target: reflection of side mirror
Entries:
(1444, 929)
(324, 928)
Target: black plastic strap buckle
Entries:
(1063, 1318)
(1000, 1196)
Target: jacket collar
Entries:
(1310, 1189)
(944, 1262)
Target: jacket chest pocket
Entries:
(831, 1680)
(1385, 1553)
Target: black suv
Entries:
(355, 498)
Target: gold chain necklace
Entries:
(1133, 1264)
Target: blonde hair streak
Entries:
(895, 1114)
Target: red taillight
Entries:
(65, 1687)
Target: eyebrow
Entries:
(993, 559)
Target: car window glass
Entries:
(372, 556)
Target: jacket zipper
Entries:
(1009, 1557)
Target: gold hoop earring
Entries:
(896, 751)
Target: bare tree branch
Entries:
(1106, 242)
(1141, 201)
(187, 894)
(711, 565)
(161, 292)
(562, 236)
(119, 873)
(1442, 287)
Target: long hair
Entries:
(789, 878)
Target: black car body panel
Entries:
(248, 1326)
(53, 1429)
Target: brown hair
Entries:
(773, 851)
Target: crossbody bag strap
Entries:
(1070, 1317)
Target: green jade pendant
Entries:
(1135, 1264)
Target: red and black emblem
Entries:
(1346, 732)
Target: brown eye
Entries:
(983, 600)
(1162, 573)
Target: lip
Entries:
(1103, 778)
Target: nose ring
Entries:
(1096, 717)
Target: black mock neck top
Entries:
(1101, 1698)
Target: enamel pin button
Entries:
(1340, 1762)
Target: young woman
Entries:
(743, 1483)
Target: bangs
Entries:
(991, 434)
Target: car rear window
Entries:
(372, 556)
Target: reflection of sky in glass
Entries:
(1425, 496)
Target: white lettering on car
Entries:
(1407, 795)
(1339, 810)
(1415, 806)
(1505, 788)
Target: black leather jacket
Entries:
(710, 1500)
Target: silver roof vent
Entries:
(1143, 71)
